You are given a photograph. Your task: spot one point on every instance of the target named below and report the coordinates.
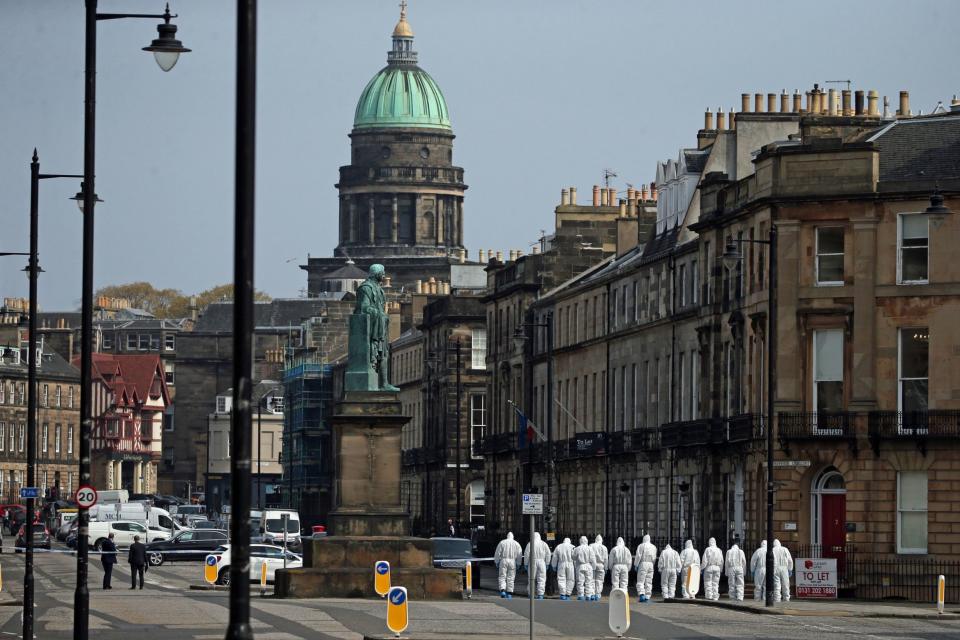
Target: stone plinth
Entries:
(366, 431)
(343, 567)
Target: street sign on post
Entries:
(29, 492)
(85, 496)
(397, 618)
(210, 569)
(619, 615)
(533, 504)
(381, 578)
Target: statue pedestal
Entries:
(369, 522)
(366, 432)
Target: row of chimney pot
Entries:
(830, 103)
(607, 197)
(433, 287)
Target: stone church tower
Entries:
(401, 197)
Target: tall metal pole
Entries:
(239, 627)
(549, 457)
(459, 518)
(81, 598)
(32, 268)
(771, 391)
(259, 454)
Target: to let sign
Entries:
(816, 577)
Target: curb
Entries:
(830, 613)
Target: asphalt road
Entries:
(167, 608)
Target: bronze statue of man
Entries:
(371, 302)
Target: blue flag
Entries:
(525, 433)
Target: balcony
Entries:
(690, 433)
(916, 426)
(745, 427)
(812, 425)
(499, 443)
(633, 441)
(351, 175)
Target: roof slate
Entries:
(920, 149)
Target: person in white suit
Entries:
(599, 566)
(669, 566)
(619, 561)
(645, 557)
(538, 562)
(758, 567)
(562, 563)
(782, 567)
(583, 561)
(505, 557)
(736, 565)
(688, 557)
(711, 566)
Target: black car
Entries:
(41, 537)
(193, 544)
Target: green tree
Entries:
(170, 303)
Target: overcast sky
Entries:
(541, 95)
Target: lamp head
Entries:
(166, 48)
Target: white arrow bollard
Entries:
(619, 616)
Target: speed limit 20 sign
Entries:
(85, 497)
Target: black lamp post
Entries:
(243, 246)
(731, 258)
(33, 271)
(166, 50)
(520, 335)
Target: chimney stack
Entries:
(596, 195)
(653, 191)
(536, 249)
(873, 108)
(744, 103)
(832, 102)
(797, 101)
(886, 108)
(499, 256)
(733, 119)
(847, 109)
(481, 257)
(708, 120)
(758, 102)
(858, 103)
(573, 195)
(418, 286)
(904, 111)
(784, 102)
(463, 256)
(564, 197)
(623, 208)
(771, 103)
(643, 192)
(721, 119)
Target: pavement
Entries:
(830, 608)
(168, 608)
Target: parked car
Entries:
(123, 532)
(454, 553)
(205, 524)
(193, 544)
(260, 554)
(41, 537)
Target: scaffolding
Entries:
(307, 437)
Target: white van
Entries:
(271, 526)
(161, 525)
(113, 496)
(122, 530)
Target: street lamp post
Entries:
(33, 270)
(243, 254)
(459, 516)
(731, 257)
(166, 49)
(521, 335)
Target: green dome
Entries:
(402, 96)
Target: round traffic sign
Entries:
(382, 568)
(397, 596)
(85, 496)
(211, 561)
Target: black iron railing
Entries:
(685, 434)
(745, 427)
(813, 424)
(909, 424)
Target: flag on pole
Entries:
(527, 431)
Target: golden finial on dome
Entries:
(403, 30)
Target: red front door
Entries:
(833, 528)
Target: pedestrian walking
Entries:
(138, 562)
(451, 528)
(758, 567)
(537, 562)
(562, 562)
(688, 558)
(619, 561)
(669, 566)
(505, 558)
(599, 565)
(108, 556)
(782, 569)
(583, 560)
